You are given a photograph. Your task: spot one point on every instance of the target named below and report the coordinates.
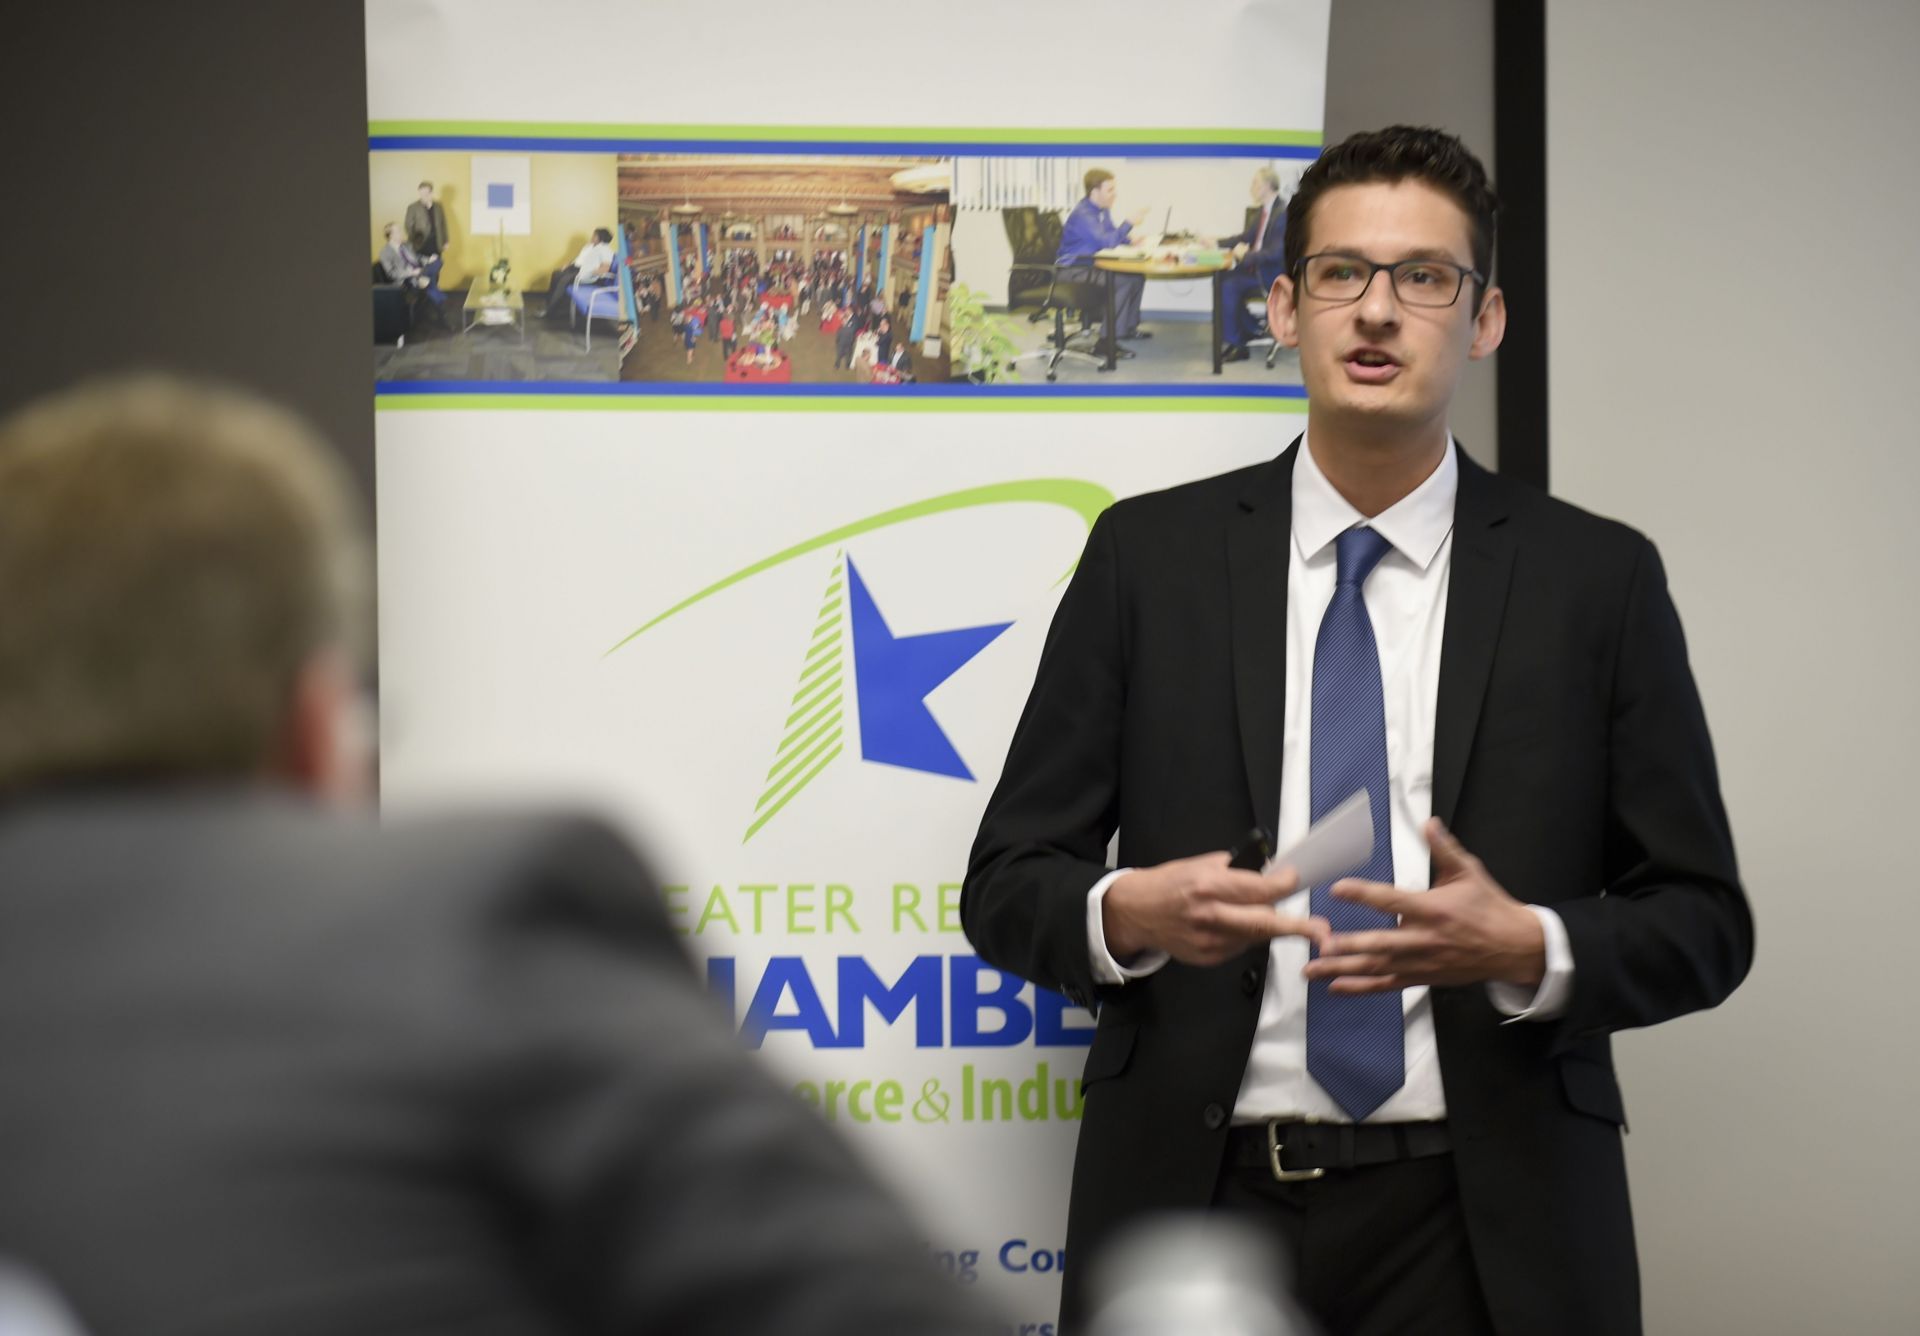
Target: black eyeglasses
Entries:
(1331, 277)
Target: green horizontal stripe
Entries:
(667, 403)
(891, 134)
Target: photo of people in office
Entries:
(769, 269)
(1117, 270)
(496, 267)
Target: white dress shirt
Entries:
(593, 261)
(1406, 600)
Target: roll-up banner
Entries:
(747, 382)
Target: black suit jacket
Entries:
(270, 1071)
(1570, 754)
(1267, 251)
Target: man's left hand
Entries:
(1466, 929)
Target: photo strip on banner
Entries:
(758, 268)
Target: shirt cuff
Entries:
(1105, 968)
(1548, 1002)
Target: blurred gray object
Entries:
(29, 1308)
(1194, 1275)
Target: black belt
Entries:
(1302, 1150)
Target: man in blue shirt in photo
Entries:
(1090, 228)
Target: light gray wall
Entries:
(1732, 196)
(1423, 62)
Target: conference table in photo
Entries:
(1152, 263)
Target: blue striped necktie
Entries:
(1356, 1046)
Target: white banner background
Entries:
(517, 547)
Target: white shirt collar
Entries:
(1417, 524)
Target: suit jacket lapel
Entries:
(1259, 545)
(1476, 605)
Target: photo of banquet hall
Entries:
(1184, 249)
(780, 268)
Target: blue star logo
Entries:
(893, 676)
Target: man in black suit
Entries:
(1259, 254)
(270, 1067)
(427, 224)
(1405, 1074)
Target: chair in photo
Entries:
(392, 309)
(1266, 274)
(1069, 290)
(599, 299)
(1034, 237)
(1265, 336)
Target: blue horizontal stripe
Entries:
(695, 390)
(880, 147)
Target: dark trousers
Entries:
(1377, 1251)
(1237, 288)
(430, 270)
(1127, 291)
(557, 289)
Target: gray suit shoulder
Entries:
(479, 854)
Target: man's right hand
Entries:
(1200, 911)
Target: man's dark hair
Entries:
(601, 234)
(1095, 178)
(426, 185)
(1400, 153)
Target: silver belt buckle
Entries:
(1280, 1173)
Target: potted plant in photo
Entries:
(490, 302)
(979, 344)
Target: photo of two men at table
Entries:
(1138, 270)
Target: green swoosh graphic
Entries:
(1085, 499)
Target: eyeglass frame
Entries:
(1375, 268)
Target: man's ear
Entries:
(1489, 324)
(1281, 316)
(326, 745)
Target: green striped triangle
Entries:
(817, 717)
